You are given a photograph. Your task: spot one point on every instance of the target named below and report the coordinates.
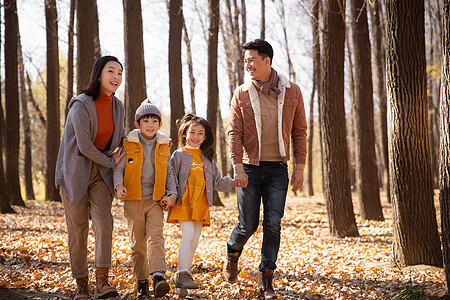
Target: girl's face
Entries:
(111, 77)
(195, 135)
(149, 127)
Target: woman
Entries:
(94, 130)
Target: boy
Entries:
(145, 179)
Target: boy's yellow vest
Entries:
(133, 167)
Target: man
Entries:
(266, 112)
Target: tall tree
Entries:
(12, 104)
(190, 64)
(213, 87)
(27, 160)
(315, 90)
(85, 36)
(135, 85)
(366, 167)
(380, 72)
(53, 123)
(263, 20)
(97, 48)
(336, 180)
(175, 66)
(292, 75)
(416, 238)
(444, 178)
(69, 94)
(5, 206)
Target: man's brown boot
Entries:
(230, 268)
(265, 284)
(82, 288)
(104, 289)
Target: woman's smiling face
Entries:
(111, 77)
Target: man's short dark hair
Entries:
(263, 47)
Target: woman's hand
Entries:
(118, 155)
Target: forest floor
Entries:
(34, 262)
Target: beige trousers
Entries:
(145, 223)
(97, 203)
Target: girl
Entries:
(84, 175)
(197, 174)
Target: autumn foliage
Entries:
(311, 264)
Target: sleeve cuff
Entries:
(300, 167)
(238, 168)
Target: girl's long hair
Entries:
(93, 88)
(208, 146)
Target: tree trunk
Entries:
(416, 237)
(316, 88)
(213, 87)
(85, 45)
(263, 20)
(35, 104)
(135, 85)
(12, 104)
(228, 38)
(53, 124)
(97, 49)
(292, 75)
(351, 139)
(366, 167)
(336, 181)
(175, 66)
(28, 178)
(239, 56)
(70, 58)
(444, 178)
(190, 64)
(5, 206)
(222, 144)
(380, 72)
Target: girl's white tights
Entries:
(190, 235)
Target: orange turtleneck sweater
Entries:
(105, 120)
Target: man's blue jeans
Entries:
(268, 181)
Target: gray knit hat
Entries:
(146, 108)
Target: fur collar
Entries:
(161, 138)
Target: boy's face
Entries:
(148, 126)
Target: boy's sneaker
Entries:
(160, 286)
(143, 290)
(184, 280)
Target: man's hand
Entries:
(121, 192)
(240, 179)
(297, 179)
(168, 201)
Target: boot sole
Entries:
(105, 295)
(161, 289)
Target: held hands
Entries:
(121, 192)
(168, 201)
(240, 179)
(118, 155)
(297, 179)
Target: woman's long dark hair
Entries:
(208, 146)
(93, 89)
